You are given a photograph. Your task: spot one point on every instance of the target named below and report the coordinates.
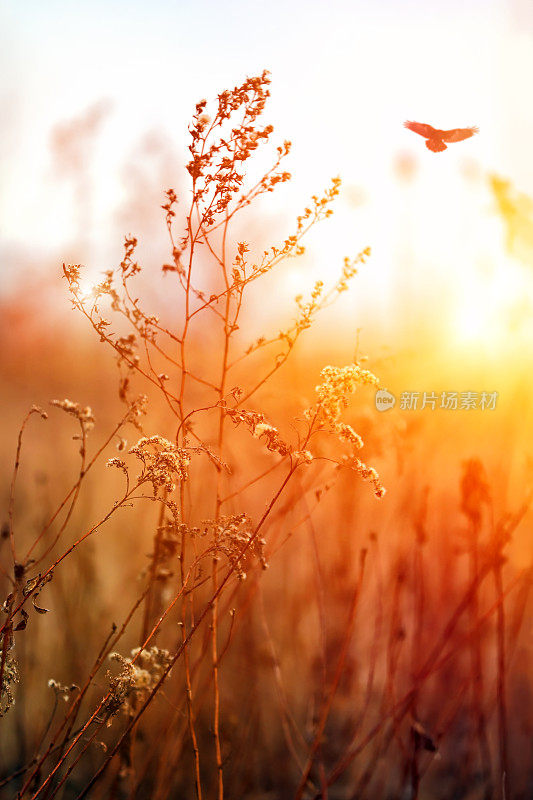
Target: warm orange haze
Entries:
(267, 473)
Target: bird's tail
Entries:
(436, 145)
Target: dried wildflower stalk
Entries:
(222, 142)
(163, 356)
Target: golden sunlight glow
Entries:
(474, 322)
(489, 306)
(87, 287)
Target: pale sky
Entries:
(345, 76)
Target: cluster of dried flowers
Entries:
(233, 536)
(139, 674)
(10, 676)
(83, 415)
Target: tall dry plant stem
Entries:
(209, 533)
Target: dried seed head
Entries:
(9, 677)
(84, 415)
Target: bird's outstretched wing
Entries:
(424, 130)
(458, 134)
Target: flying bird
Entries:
(436, 138)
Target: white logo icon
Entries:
(384, 400)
